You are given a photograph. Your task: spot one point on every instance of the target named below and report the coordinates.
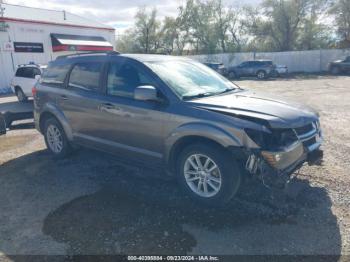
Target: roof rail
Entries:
(89, 53)
(29, 64)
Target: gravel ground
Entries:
(92, 204)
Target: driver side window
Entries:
(123, 78)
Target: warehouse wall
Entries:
(40, 33)
(297, 61)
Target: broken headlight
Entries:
(276, 139)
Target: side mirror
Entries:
(146, 93)
(37, 77)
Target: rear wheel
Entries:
(208, 174)
(20, 95)
(55, 138)
(261, 74)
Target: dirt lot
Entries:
(91, 204)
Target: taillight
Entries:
(34, 90)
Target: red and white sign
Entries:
(8, 46)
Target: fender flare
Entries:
(203, 130)
(53, 110)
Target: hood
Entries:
(259, 107)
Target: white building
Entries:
(40, 35)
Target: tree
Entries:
(146, 30)
(126, 43)
(198, 19)
(341, 11)
(284, 25)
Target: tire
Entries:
(227, 172)
(261, 74)
(232, 75)
(53, 130)
(335, 70)
(20, 95)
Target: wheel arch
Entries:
(196, 133)
(51, 111)
(16, 87)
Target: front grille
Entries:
(307, 134)
(310, 142)
(304, 129)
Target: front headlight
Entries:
(277, 139)
(258, 137)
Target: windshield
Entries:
(190, 79)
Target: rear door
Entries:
(81, 98)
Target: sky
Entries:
(117, 13)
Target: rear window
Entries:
(55, 75)
(86, 76)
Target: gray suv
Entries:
(174, 115)
(261, 69)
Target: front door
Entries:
(132, 128)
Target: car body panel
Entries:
(147, 131)
(25, 83)
(341, 65)
(279, 113)
(251, 68)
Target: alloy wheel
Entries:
(261, 75)
(54, 139)
(202, 175)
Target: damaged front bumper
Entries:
(274, 168)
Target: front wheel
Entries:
(55, 138)
(261, 74)
(208, 174)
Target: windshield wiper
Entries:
(207, 94)
(226, 91)
(198, 95)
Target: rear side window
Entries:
(86, 76)
(55, 75)
(20, 72)
(36, 71)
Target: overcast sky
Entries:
(117, 13)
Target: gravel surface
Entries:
(92, 204)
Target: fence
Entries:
(297, 61)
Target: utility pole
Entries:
(2, 10)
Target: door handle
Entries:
(64, 97)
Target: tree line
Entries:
(210, 26)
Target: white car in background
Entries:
(25, 79)
(281, 70)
